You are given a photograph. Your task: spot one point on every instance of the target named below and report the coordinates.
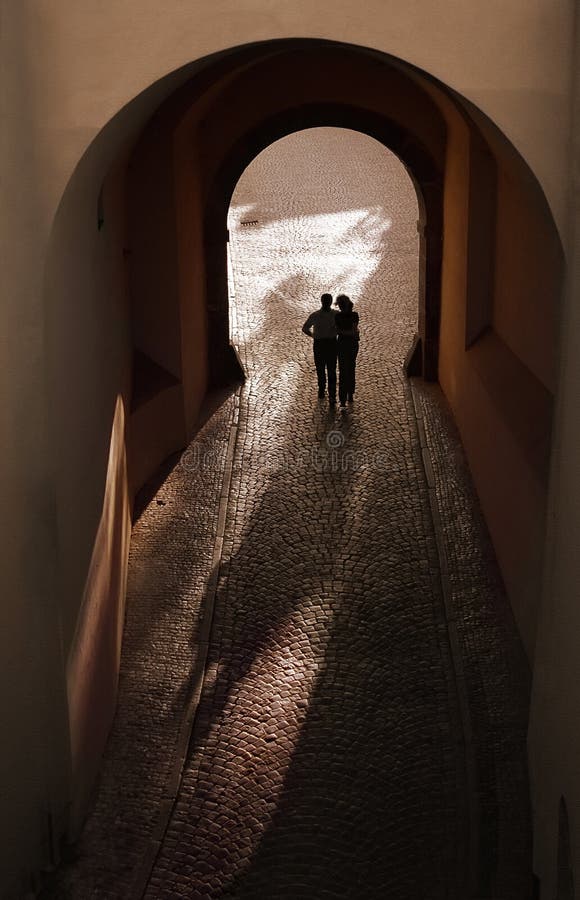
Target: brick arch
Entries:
(425, 173)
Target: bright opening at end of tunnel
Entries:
(322, 210)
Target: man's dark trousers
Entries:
(325, 350)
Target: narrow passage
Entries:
(328, 756)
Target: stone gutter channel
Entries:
(472, 799)
(491, 671)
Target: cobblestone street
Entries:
(343, 651)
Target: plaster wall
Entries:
(152, 248)
(88, 375)
(454, 268)
(554, 735)
(167, 259)
(155, 431)
(511, 59)
(481, 237)
(500, 384)
(33, 751)
(528, 273)
(167, 286)
(88, 361)
(503, 414)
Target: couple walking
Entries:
(335, 336)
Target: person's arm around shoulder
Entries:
(307, 327)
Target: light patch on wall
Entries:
(93, 664)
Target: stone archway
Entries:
(183, 144)
(423, 170)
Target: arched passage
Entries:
(421, 167)
(325, 209)
(138, 279)
(492, 256)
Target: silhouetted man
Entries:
(320, 326)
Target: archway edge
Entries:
(132, 112)
(333, 115)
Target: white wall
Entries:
(510, 57)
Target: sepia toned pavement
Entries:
(323, 693)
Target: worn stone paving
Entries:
(329, 754)
(497, 675)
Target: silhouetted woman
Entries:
(348, 342)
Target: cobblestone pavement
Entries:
(496, 676)
(344, 745)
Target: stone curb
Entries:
(456, 654)
(143, 872)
